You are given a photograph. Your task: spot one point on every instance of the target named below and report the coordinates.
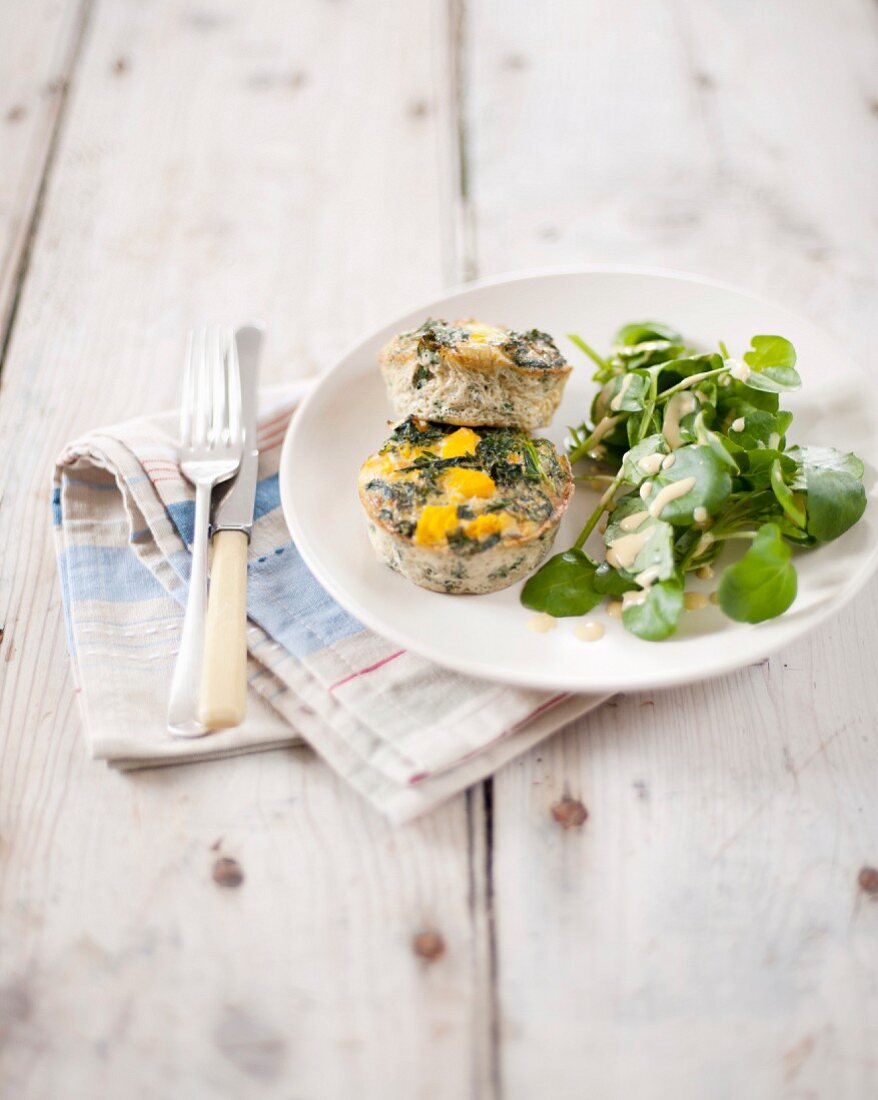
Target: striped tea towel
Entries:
(404, 732)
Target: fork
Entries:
(211, 442)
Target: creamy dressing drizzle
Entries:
(650, 464)
(648, 576)
(614, 609)
(668, 461)
(616, 403)
(700, 514)
(633, 599)
(603, 427)
(694, 601)
(705, 573)
(635, 520)
(739, 425)
(680, 405)
(670, 492)
(589, 632)
(738, 369)
(622, 551)
(645, 490)
(541, 623)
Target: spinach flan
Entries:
(461, 510)
(474, 374)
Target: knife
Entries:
(223, 697)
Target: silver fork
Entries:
(210, 452)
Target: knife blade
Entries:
(223, 694)
(233, 510)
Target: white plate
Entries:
(345, 416)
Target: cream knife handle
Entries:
(224, 671)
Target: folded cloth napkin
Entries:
(404, 732)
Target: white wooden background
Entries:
(323, 164)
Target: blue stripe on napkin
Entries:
(289, 604)
(114, 574)
(267, 499)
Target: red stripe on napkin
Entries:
(371, 668)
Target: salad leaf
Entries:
(772, 363)
(564, 586)
(790, 502)
(828, 458)
(641, 331)
(656, 615)
(632, 470)
(698, 442)
(835, 501)
(832, 481)
(710, 489)
(610, 582)
(651, 538)
(762, 585)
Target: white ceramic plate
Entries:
(345, 418)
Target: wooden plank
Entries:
(703, 933)
(220, 160)
(40, 40)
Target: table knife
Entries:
(224, 671)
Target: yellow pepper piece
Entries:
(481, 334)
(462, 442)
(380, 465)
(461, 484)
(435, 523)
(487, 524)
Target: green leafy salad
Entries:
(690, 451)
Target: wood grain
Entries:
(41, 40)
(250, 926)
(218, 160)
(702, 932)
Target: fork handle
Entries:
(224, 672)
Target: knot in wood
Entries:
(428, 945)
(227, 872)
(868, 880)
(569, 813)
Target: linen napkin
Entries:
(404, 732)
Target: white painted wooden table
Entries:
(323, 164)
